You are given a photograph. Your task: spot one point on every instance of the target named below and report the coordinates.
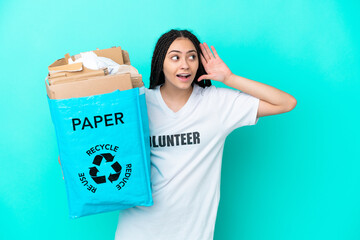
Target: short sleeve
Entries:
(236, 108)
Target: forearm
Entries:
(260, 90)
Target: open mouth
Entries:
(184, 77)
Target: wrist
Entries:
(228, 79)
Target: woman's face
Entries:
(181, 63)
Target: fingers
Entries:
(204, 62)
(203, 51)
(201, 78)
(214, 51)
(204, 77)
(206, 51)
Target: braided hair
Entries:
(157, 76)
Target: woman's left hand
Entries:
(215, 67)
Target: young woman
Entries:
(189, 120)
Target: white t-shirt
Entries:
(186, 154)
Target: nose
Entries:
(184, 64)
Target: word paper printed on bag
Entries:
(107, 120)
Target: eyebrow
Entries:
(180, 51)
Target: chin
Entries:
(184, 85)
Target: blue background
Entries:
(291, 176)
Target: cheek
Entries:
(167, 70)
(195, 65)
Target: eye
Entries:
(175, 57)
(193, 57)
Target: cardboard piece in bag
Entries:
(60, 71)
(69, 81)
(89, 87)
(61, 65)
(126, 57)
(136, 80)
(63, 78)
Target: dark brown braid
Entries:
(157, 76)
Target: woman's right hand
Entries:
(61, 168)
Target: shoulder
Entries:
(213, 91)
(222, 92)
(205, 91)
(220, 96)
(150, 92)
(150, 95)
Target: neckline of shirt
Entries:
(182, 110)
